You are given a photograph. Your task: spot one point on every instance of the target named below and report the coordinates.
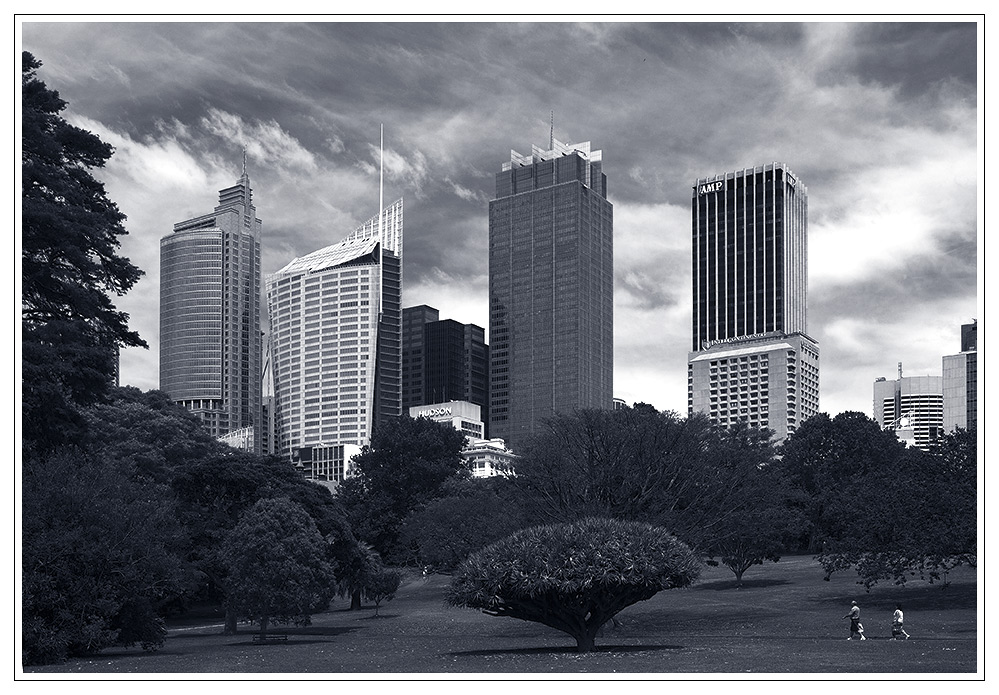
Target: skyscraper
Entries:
(414, 318)
(551, 289)
(336, 344)
(443, 360)
(751, 359)
(210, 341)
(960, 383)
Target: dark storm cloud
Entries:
(878, 120)
(917, 56)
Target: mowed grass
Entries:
(784, 620)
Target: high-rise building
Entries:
(911, 406)
(443, 360)
(336, 345)
(751, 359)
(551, 289)
(210, 340)
(960, 383)
(414, 318)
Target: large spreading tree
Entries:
(573, 577)
(70, 268)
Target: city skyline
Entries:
(884, 133)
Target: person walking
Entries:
(856, 628)
(897, 631)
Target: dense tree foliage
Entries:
(278, 565)
(470, 515)
(913, 516)
(573, 577)
(826, 457)
(704, 484)
(100, 555)
(70, 268)
(150, 460)
(875, 506)
(407, 465)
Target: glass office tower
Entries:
(551, 289)
(210, 341)
(336, 343)
(752, 360)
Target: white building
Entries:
(912, 406)
(336, 355)
(486, 457)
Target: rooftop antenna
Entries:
(899, 370)
(244, 160)
(551, 132)
(381, 179)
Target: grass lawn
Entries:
(784, 620)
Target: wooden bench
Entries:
(257, 637)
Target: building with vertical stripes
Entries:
(210, 340)
(960, 383)
(551, 289)
(336, 346)
(751, 358)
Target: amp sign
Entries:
(705, 188)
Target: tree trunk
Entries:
(738, 578)
(263, 626)
(584, 641)
(355, 600)
(230, 622)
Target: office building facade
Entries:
(751, 358)
(960, 383)
(210, 340)
(414, 318)
(551, 289)
(336, 344)
(443, 360)
(912, 407)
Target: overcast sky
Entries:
(879, 121)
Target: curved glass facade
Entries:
(210, 341)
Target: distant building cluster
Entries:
(342, 354)
(921, 409)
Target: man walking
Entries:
(855, 627)
(897, 631)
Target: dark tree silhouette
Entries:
(70, 268)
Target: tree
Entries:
(471, 515)
(573, 577)
(639, 464)
(766, 525)
(70, 267)
(635, 463)
(406, 465)
(277, 565)
(382, 585)
(100, 554)
(914, 516)
(827, 458)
